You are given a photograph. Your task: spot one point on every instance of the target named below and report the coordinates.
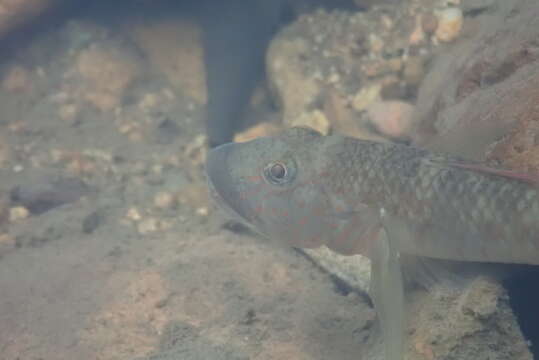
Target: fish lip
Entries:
(216, 161)
(218, 199)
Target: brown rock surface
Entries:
(17, 79)
(107, 72)
(175, 50)
(391, 118)
(449, 24)
(475, 321)
(352, 56)
(519, 149)
(16, 12)
(259, 130)
(483, 87)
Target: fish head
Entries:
(274, 185)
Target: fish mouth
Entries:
(221, 185)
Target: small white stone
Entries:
(164, 200)
(133, 214)
(148, 225)
(18, 213)
(449, 24)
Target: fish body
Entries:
(380, 200)
(336, 188)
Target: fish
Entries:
(386, 201)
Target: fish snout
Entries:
(222, 187)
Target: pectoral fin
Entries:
(387, 291)
(435, 247)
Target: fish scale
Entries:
(432, 190)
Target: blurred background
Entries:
(109, 245)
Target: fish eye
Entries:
(277, 173)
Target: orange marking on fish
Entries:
(339, 209)
(254, 178)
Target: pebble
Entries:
(17, 79)
(449, 24)
(133, 214)
(259, 130)
(68, 112)
(376, 43)
(148, 101)
(391, 118)
(148, 225)
(196, 149)
(164, 200)
(18, 213)
(202, 211)
(92, 222)
(7, 242)
(315, 120)
(366, 96)
(40, 192)
(477, 5)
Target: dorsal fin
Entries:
(531, 179)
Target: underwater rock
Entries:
(429, 23)
(106, 72)
(174, 48)
(316, 120)
(478, 92)
(473, 321)
(449, 24)
(354, 270)
(519, 149)
(42, 192)
(17, 80)
(259, 130)
(352, 56)
(14, 13)
(391, 118)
